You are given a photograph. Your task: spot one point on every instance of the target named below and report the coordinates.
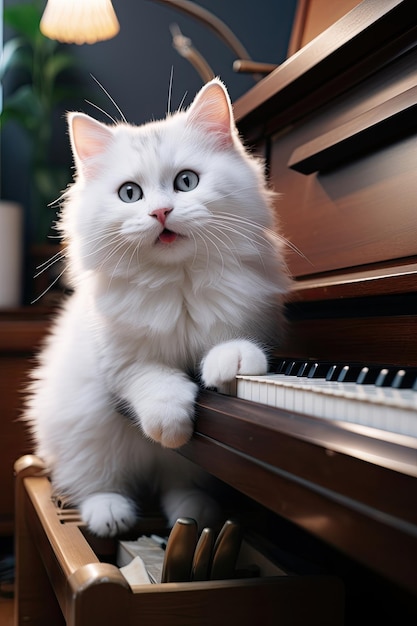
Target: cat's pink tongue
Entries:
(167, 236)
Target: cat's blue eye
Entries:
(186, 181)
(130, 192)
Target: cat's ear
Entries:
(89, 138)
(212, 110)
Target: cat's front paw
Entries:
(168, 415)
(108, 514)
(226, 360)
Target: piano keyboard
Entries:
(383, 398)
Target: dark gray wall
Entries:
(135, 66)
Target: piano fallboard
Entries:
(344, 484)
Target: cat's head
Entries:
(180, 190)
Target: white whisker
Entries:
(207, 249)
(131, 245)
(110, 98)
(216, 247)
(235, 257)
(239, 219)
(271, 233)
(171, 77)
(135, 252)
(48, 267)
(115, 249)
(182, 101)
(58, 256)
(195, 249)
(241, 227)
(49, 287)
(108, 237)
(102, 111)
(219, 229)
(256, 240)
(231, 193)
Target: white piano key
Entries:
(280, 395)
(299, 397)
(271, 394)
(394, 410)
(263, 392)
(255, 391)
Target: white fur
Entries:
(145, 314)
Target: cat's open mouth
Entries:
(167, 236)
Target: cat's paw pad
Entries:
(226, 360)
(168, 418)
(108, 514)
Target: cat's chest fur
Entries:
(171, 317)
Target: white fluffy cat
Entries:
(176, 274)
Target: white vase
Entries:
(11, 250)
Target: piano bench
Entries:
(60, 579)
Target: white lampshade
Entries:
(79, 21)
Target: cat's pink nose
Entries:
(161, 215)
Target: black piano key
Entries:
(318, 370)
(333, 372)
(394, 377)
(398, 380)
(405, 379)
(349, 373)
(281, 366)
(288, 365)
(342, 374)
(385, 377)
(303, 369)
(292, 368)
(368, 375)
(312, 370)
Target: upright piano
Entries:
(322, 453)
(334, 469)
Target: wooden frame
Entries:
(299, 36)
(60, 580)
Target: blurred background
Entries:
(134, 67)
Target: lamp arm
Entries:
(212, 22)
(183, 45)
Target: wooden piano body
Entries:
(337, 125)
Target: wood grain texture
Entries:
(21, 333)
(67, 584)
(319, 475)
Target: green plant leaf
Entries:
(11, 55)
(50, 181)
(57, 64)
(32, 102)
(23, 106)
(24, 18)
